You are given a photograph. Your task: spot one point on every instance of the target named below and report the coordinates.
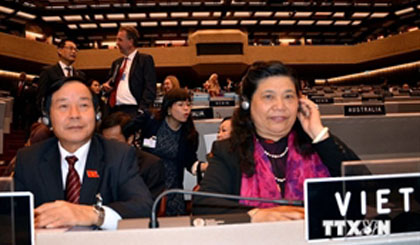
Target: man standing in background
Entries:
(67, 54)
(132, 78)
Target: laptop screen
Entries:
(16, 218)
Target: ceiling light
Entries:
(229, 22)
(242, 14)
(169, 35)
(323, 13)
(26, 15)
(305, 22)
(209, 22)
(100, 5)
(151, 35)
(189, 23)
(287, 22)
(179, 14)
(33, 34)
(136, 15)
(51, 18)
(217, 14)
(268, 22)
(338, 15)
(149, 23)
(6, 10)
(263, 14)
(108, 25)
(169, 23)
(99, 17)
(201, 14)
(72, 26)
(342, 22)
(248, 22)
(79, 6)
(303, 14)
(404, 11)
(128, 23)
(88, 26)
(72, 17)
(356, 22)
(324, 22)
(379, 15)
(158, 15)
(115, 16)
(282, 14)
(360, 14)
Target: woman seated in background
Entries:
(170, 83)
(171, 135)
(225, 128)
(96, 88)
(270, 153)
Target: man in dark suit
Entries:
(67, 172)
(132, 78)
(67, 54)
(119, 126)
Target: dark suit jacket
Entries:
(142, 78)
(152, 171)
(224, 174)
(50, 75)
(38, 170)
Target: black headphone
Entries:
(46, 101)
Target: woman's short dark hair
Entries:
(173, 96)
(243, 129)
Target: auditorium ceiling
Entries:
(94, 23)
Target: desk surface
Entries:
(287, 232)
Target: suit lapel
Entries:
(93, 174)
(134, 65)
(50, 172)
(59, 71)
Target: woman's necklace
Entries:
(276, 156)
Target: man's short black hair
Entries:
(62, 43)
(124, 120)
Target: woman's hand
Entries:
(279, 213)
(310, 118)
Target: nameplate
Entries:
(202, 113)
(362, 206)
(222, 103)
(322, 100)
(357, 110)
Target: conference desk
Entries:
(286, 232)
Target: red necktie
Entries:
(73, 182)
(113, 97)
(20, 88)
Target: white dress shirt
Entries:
(124, 95)
(111, 216)
(65, 71)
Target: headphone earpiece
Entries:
(245, 104)
(45, 120)
(98, 115)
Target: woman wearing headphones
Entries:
(277, 142)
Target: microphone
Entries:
(153, 219)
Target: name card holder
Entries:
(362, 206)
(359, 110)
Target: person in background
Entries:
(67, 54)
(96, 88)
(213, 85)
(119, 126)
(225, 128)
(132, 78)
(170, 83)
(171, 135)
(277, 141)
(76, 169)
